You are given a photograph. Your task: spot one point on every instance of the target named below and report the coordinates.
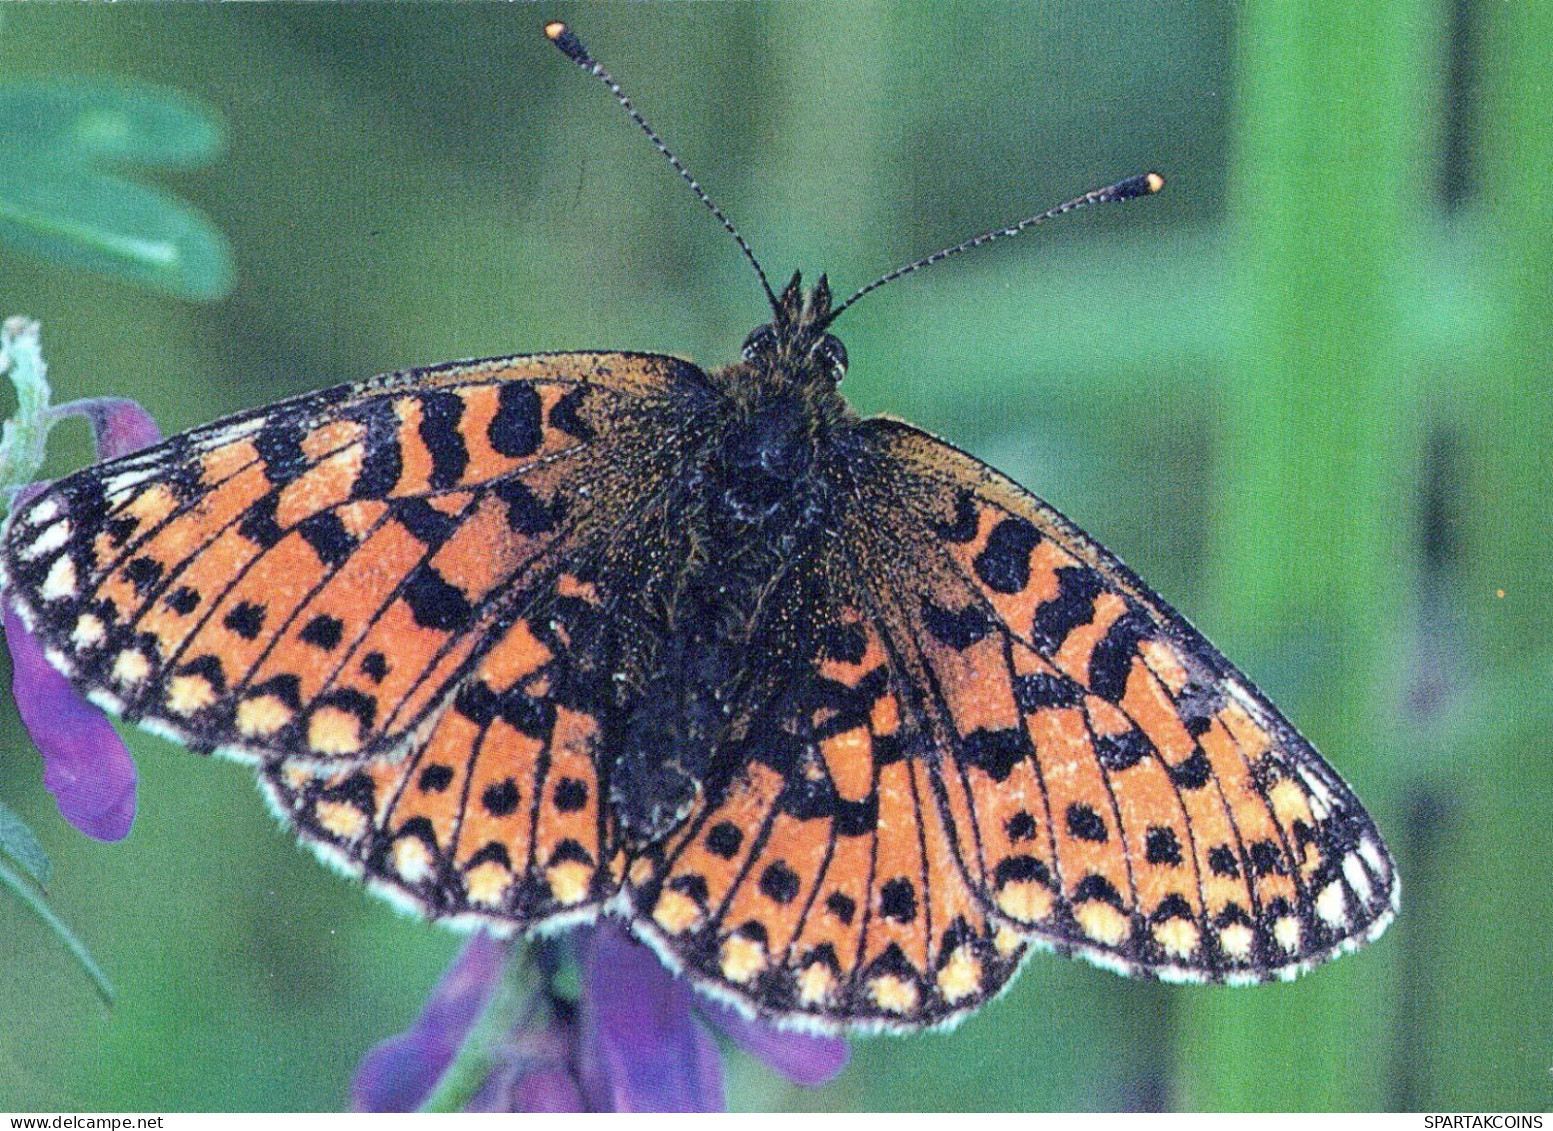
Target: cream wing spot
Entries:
(487, 883)
(816, 984)
(569, 882)
(262, 715)
(893, 994)
(1357, 877)
(341, 820)
(334, 731)
(187, 694)
(1373, 856)
(1006, 941)
(412, 859)
(127, 481)
(131, 667)
(1025, 900)
(89, 631)
(1332, 905)
(742, 958)
(1101, 922)
(1287, 933)
(960, 977)
(1178, 937)
(50, 540)
(45, 511)
(676, 912)
(1235, 940)
(60, 581)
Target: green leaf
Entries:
(18, 842)
(34, 902)
(88, 120)
(57, 202)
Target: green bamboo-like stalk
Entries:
(1489, 1042)
(1313, 556)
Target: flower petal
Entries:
(119, 425)
(640, 1047)
(803, 1058)
(533, 1074)
(85, 764)
(399, 1074)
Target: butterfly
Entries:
(839, 719)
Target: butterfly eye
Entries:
(761, 343)
(831, 355)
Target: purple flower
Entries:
(637, 1038)
(85, 764)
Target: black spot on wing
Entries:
(996, 752)
(779, 883)
(1086, 824)
(961, 528)
(327, 535)
(245, 619)
(526, 513)
(570, 795)
(324, 632)
(724, 840)
(183, 600)
(958, 629)
(1004, 562)
(426, 523)
(1162, 846)
(1074, 604)
(516, 429)
(143, 573)
(1039, 690)
(436, 778)
(258, 524)
(500, 799)
(1111, 661)
(898, 900)
(441, 412)
(565, 416)
(279, 445)
(1122, 751)
(383, 462)
(433, 602)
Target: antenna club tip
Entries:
(563, 37)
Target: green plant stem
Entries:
(24, 439)
(24, 892)
(1313, 553)
(511, 1003)
(1488, 1042)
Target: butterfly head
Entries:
(795, 343)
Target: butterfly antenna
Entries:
(564, 38)
(1144, 184)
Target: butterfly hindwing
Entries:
(1114, 786)
(821, 886)
(497, 815)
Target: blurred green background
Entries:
(1304, 392)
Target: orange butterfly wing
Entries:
(823, 887)
(1114, 786)
(373, 591)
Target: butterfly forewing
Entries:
(1113, 785)
(313, 579)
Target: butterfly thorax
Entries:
(753, 503)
